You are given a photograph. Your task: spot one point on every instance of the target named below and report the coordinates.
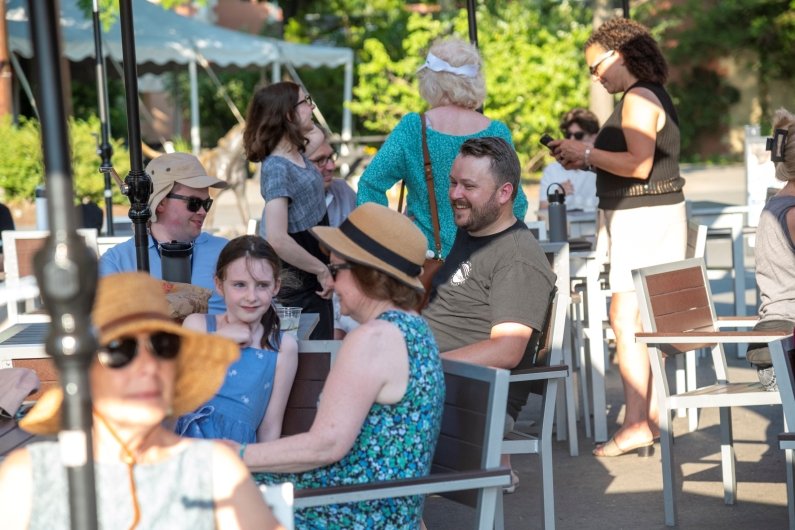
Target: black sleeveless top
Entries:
(664, 185)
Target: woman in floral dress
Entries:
(379, 414)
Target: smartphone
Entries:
(545, 139)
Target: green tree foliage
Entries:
(534, 67)
(22, 167)
(699, 31)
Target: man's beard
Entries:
(480, 217)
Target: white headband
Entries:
(440, 65)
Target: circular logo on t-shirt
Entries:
(461, 274)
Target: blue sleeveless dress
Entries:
(396, 441)
(239, 406)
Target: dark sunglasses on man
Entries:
(579, 135)
(194, 203)
(120, 352)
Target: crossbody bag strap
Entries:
(426, 157)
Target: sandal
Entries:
(611, 449)
(514, 483)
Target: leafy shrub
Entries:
(22, 167)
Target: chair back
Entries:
(472, 422)
(675, 297)
(315, 358)
(782, 352)
(105, 243)
(538, 229)
(19, 247)
(696, 240)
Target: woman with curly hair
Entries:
(277, 123)
(642, 207)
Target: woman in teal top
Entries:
(453, 93)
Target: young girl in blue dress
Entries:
(250, 405)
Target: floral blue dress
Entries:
(396, 441)
(236, 411)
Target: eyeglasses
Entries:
(307, 99)
(194, 203)
(579, 135)
(334, 268)
(594, 68)
(320, 162)
(120, 352)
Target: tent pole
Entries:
(347, 97)
(276, 72)
(66, 270)
(138, 184)
(195, 136)
(105, 149)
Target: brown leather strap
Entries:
(426, 157)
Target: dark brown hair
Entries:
(254, 248)
(642, 55)
(504, 165)
(586, 119)
(381, 286)
(272, 115)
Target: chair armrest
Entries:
(736, 321)
(709, 337)
(434, 483)
(539, 373)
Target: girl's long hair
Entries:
(272, 115)
(255, 248)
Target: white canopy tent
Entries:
(164, 39)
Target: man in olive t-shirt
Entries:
(494, 288)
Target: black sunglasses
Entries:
(120, 352)
(334, 268)
(194, 203)
(579, 135)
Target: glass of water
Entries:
(290, 317)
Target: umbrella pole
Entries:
(625, 7)
(138, 185)
(473, 22)
(104, 149)
(66, 271)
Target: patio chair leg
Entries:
(666, 447)
(788, 455)
(499, 515)
(690, 376)
(489, 506)
(727, 456)
(681, 375)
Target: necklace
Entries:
(129, 458)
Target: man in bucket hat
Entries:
(494, 288)
(180, 201)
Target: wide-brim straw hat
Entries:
(131, 303)
(377, 237)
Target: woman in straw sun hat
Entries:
(384, 394)
(147, 368)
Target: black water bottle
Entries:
(558, 227)
(175, 258)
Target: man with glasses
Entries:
(579, 184)
(179, 202)
(340, 200)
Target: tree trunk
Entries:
(5, 66)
